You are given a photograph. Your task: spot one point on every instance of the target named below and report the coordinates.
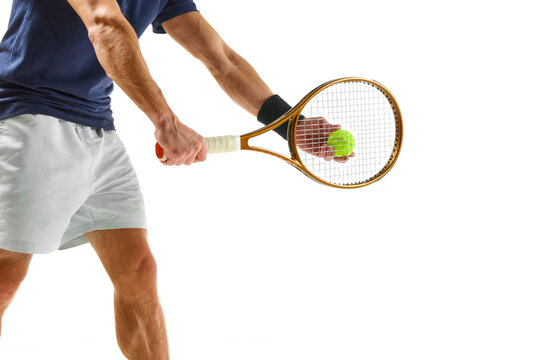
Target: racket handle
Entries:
(221, 144)
(214, 145)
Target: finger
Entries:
(169, 162)
(191, 158)
(316, 151)
(180, 160)
(318, 120)
(344, 159)
(201, 156)
(173, 158)
(315, 123)
(189, 161)
(328, 152)
(326, 131)
(330, 128)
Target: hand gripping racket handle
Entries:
(214, 145)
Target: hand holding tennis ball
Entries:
(317, 137)
(342, 141)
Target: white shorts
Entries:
(59, 180)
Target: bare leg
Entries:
(140, 325)
(13, 268)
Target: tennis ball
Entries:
(342, 141)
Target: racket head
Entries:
(367, 110)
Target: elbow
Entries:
(102, 27)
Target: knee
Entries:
(139, 278)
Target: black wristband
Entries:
(271, 110)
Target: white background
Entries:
(439, 260)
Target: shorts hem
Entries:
(27, 248)
(76, 236)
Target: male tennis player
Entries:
(65, 177)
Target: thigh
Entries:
(123, 252)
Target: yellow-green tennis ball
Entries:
(342, 141)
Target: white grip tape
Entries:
(221, 144)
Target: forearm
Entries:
(241, 82)
(117, 49)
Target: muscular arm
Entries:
(241, 82)
(117, 49)
(234, 74)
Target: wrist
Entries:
(163, 121)
(272, 109)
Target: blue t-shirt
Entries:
(48, 64)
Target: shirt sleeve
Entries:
(172, 10)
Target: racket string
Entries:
(367, 113)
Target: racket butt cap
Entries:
(160, 153)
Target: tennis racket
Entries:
(362, 107)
